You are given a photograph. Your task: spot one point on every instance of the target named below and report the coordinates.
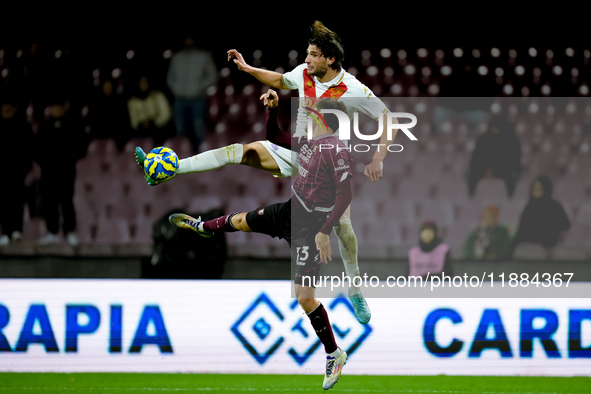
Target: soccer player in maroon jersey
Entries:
(321, 193)
(321, 75)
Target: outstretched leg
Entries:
(253, 155)
(227, 223)
(261, 220)
(348, 248)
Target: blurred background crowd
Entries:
(483, 182)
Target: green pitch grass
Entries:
(192, 383)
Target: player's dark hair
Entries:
(330, 103)
(328, 42)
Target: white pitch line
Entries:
(275, 390)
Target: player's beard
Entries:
(317, 72)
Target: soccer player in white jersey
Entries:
(321, 75)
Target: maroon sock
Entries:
(319, 319)
(220, 224)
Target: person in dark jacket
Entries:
(497, 154)
(108, 116)
(61, 142)
(16, 136)
(543, 220)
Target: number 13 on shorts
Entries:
(302, 255)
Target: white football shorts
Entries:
(286, 160)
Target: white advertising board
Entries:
(256, 327)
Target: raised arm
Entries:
(274, 132)
(271, 78)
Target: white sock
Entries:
(336, 353)
(348, 249)
(212, 159)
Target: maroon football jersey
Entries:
(323, 162)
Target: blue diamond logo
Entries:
(262, 345)
(349, 333)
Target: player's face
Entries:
(317, 63)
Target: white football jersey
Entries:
(343, 85)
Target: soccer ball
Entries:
(161, 164)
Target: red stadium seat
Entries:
(113, 231)
(491, 189)
(181, 145)
(441, 212)
(142, 230)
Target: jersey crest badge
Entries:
(336, 92)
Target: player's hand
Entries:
(242, 66)
(374, 170)
(270, 98)
(323, 245)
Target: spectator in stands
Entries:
(191, 72)
(108, 116)
(149, 112)
(16, 137)
(543, 221)
(491, 240)
(61, 142)
(497, 154)
(431, 255)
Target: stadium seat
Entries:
(204, 203)
(441, 212)
(88, 167)
(413, 188)
(578, 235)
(400, 211)
(142, 233)
(261, 185)
(181, 145)
(102, 149)
(530, 251)
(469, 211)
(568, 252)
(373, 191)
(523, 188)
(510, 211)
(127, 209)
(242, 204)
(113, 231)
(584, 213)
(491, 189)
(386, 234)
(451, 186)
(124, 164)
(458, 232)
(428, 168)
(570, 189)
(364, 212)
(146, 143)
